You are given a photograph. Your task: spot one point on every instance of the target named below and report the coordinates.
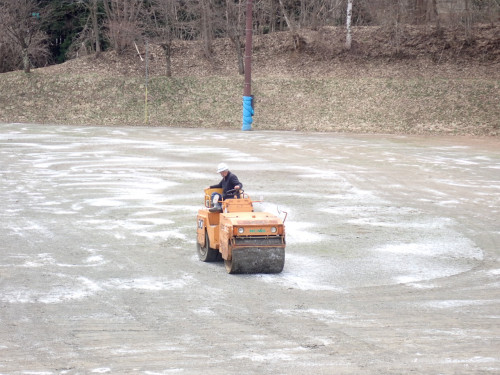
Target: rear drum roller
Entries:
(206, 253)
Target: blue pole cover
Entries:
(247, 113)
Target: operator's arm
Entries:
(235, 182)
(219, 185)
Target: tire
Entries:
(206, 253)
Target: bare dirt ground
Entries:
(392, 257)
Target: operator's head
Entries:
(223, 169)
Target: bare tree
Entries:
(234, 22)
(91, 33)
(292, 26)
(163, 15)
(423, 11)
(20, 20)
(206, 27)
(94, 9)
(10, 59)
(266, 14)
(315, 13)
(199, 23)
(348, 41)
(467, 20)
(419, 10)
(123, 22)
(397, 13)
(392, 16)
(435, 15)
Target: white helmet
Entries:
(222, 167)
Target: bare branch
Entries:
(20, 20)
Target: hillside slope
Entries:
(436, 83)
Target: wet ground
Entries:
(392, 263)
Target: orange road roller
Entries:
(247, 241)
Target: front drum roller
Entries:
(256, 260)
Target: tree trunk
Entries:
(468, 21)
(233, 21)
(435, 14)
(398, 25)
(26, 60)
(241, 65)
(420, 11)
(21, 26)
(168, 58)
(206, 29)
(348, 41)
(95, 26)
(236, 40)
(297, 42)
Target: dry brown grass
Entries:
(428, 90)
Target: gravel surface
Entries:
(392, 259)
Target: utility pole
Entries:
(247, 89)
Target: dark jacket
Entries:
(228, 183)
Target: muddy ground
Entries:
(392, 263)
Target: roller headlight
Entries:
(273, 230)
(241, 230)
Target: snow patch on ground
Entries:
(297, 232)
(68, 288)
(205, 311)
(477, 359)
(166, 234)
(297, 274)
(149, 283)
(452, 304)
(459, 248)
(101, 370)
(287, 354)
(329, 316)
